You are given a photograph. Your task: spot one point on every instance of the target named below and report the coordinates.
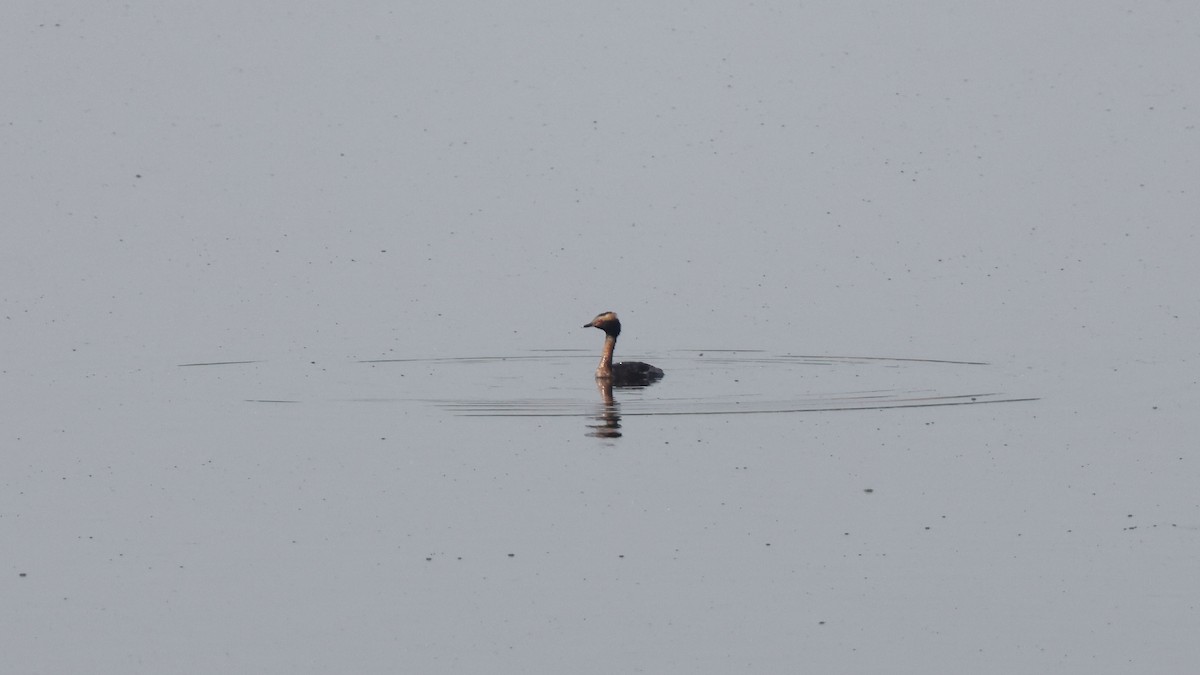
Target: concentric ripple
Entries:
(703, 382)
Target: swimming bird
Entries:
(626, 373)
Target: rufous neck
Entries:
(606, 356)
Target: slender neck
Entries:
(605, 368)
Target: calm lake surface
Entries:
(293, 378)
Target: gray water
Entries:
(293, 378)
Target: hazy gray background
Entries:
(307, 186)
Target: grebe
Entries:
(627, 372)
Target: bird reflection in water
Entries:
(607, 420)
(608, 417)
